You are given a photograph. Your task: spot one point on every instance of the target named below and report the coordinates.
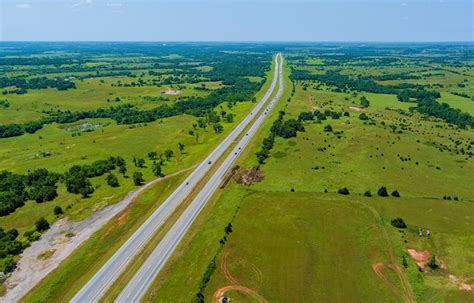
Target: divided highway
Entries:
(147, 273)
(96, 287)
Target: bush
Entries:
(363, 116)
(42, 224)
(58, 210)
(398, 223)
(368, 194)
(382, 192)
(328, 128)
(112, 180)
(138, 178)
(343, 191)
(432, 262)
(395, 193)
(7, 264)
(32, 235)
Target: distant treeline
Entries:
(241, 90)
(343, 83)
(443, 111)
(36, 83)
(405, 92)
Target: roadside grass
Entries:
(64, 282)
(120, 283)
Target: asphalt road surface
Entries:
(110, 271)
(147, 273)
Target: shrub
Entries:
(328, 128)
(112, 180)
(395, 193)
(42, 224)
(363, 116)
(138, 178)
(58, 210)
(382, 192)
(398, 223)
(432, 262)
(368, 194)
(343, 191)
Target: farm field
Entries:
(296, 235)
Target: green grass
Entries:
(68, 278)
(322, 246)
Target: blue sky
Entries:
(237, 20)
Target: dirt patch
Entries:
(170, 92)
(123, 217)
(221, 291)
(218, 294)
(356, 108)
(465, 287)
(420, 257)
(248, 176)
(378, 269)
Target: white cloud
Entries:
(82, 3)
(23, 5)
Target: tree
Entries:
(395, 193)
(156, 168)
(382, 192)
(398, 223)
(364, 102)
(122, 170)
(58, 210)
(229, 118)
(138, 178)
(168, 154)
(86, 191)
(432, 263)
(152, 155)
(180, 147)
(328, 128)
(404, 262)
(112, 180)
(42, 224)
(218, 128)
(363, 117)
(343, 191)
(141, 162)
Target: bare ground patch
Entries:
(248, 176)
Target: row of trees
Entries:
(359, 83)
(77, 178)
(382, 192)
(280, 128)
(242, 90)
(37, 83)
(16, 189)
(444, 111)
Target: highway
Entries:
(143, 278)
(96, 287)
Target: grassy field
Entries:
(82, 261)
(294, 242)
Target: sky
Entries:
(237, 20)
